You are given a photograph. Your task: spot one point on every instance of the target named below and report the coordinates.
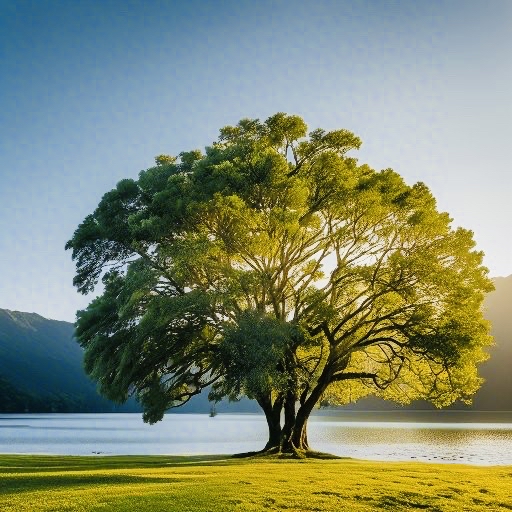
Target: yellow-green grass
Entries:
(216, 483)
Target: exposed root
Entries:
(275, 450)
(295, 453)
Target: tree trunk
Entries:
(273, 417)
(289, 417)
(298, 440)
(274, 430)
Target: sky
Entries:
(91, 92)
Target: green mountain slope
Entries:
(41, 367)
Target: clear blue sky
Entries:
(91, 91)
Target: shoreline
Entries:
(212, 458)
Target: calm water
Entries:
(179, 434)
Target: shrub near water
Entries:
(211, 483)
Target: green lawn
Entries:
(215, 483)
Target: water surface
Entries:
(485, 443)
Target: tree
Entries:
(275, 266)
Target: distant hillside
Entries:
(41, 367)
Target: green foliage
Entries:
(250, 354)
(277, 267)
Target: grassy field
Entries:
(215, 483)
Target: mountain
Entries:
(41, 367)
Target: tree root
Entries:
(295, 453)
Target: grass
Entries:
(217, 483)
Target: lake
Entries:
(347, 434)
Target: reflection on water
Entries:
(439, 442)
(119, 434)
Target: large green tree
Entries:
(275, 266)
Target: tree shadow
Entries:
(17, 484)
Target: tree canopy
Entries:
(275, 266)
